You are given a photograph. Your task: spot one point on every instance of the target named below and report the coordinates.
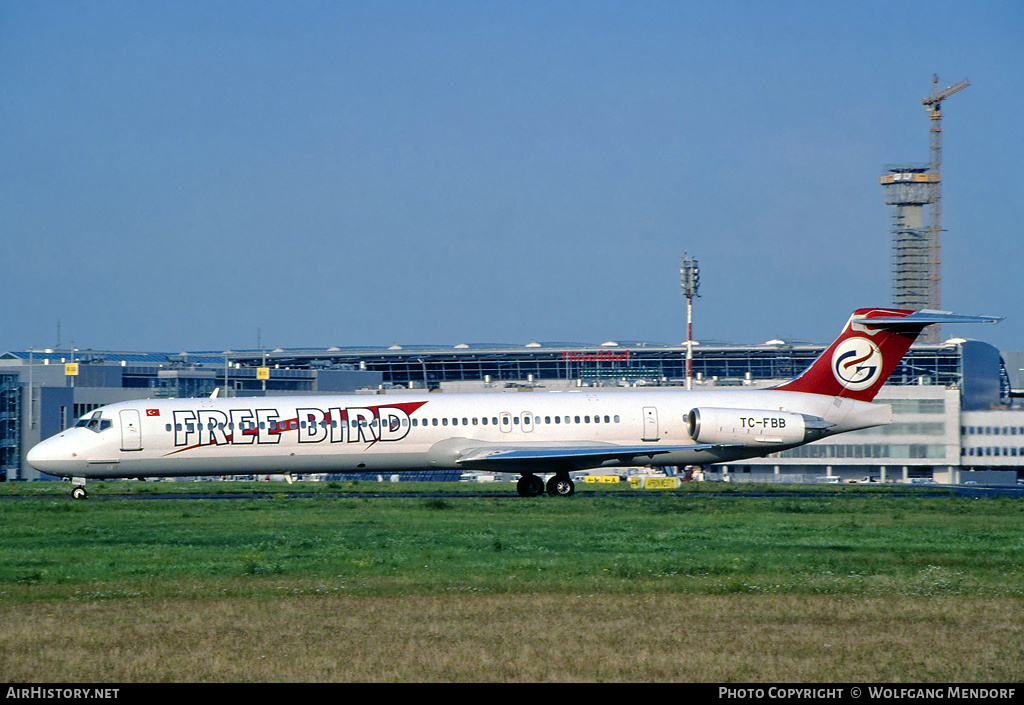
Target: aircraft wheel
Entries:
(561, 486)
(529, 486)
(79, 493)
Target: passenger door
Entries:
(131, 430)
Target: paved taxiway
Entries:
(976, 492)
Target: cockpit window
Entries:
(95, 423)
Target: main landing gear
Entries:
(560, 485)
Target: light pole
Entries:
(689, 277)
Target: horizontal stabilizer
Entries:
(924, 317)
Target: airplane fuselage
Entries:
(373, 433)
(529, 434)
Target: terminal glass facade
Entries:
(10, 425)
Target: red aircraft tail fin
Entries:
(870, 347)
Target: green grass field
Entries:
(667, 586)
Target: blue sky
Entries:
(184, 175)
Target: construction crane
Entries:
(933, 104)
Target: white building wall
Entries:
(993, 439)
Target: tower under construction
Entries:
(909, 188)
(917, 247)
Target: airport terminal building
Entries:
(954, 416)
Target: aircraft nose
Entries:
(52, 456)
(39, 456)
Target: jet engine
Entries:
(710, 425)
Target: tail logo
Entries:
(857, 363)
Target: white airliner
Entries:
(531, 434)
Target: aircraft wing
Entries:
(512, 458)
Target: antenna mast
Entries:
(689, 278)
